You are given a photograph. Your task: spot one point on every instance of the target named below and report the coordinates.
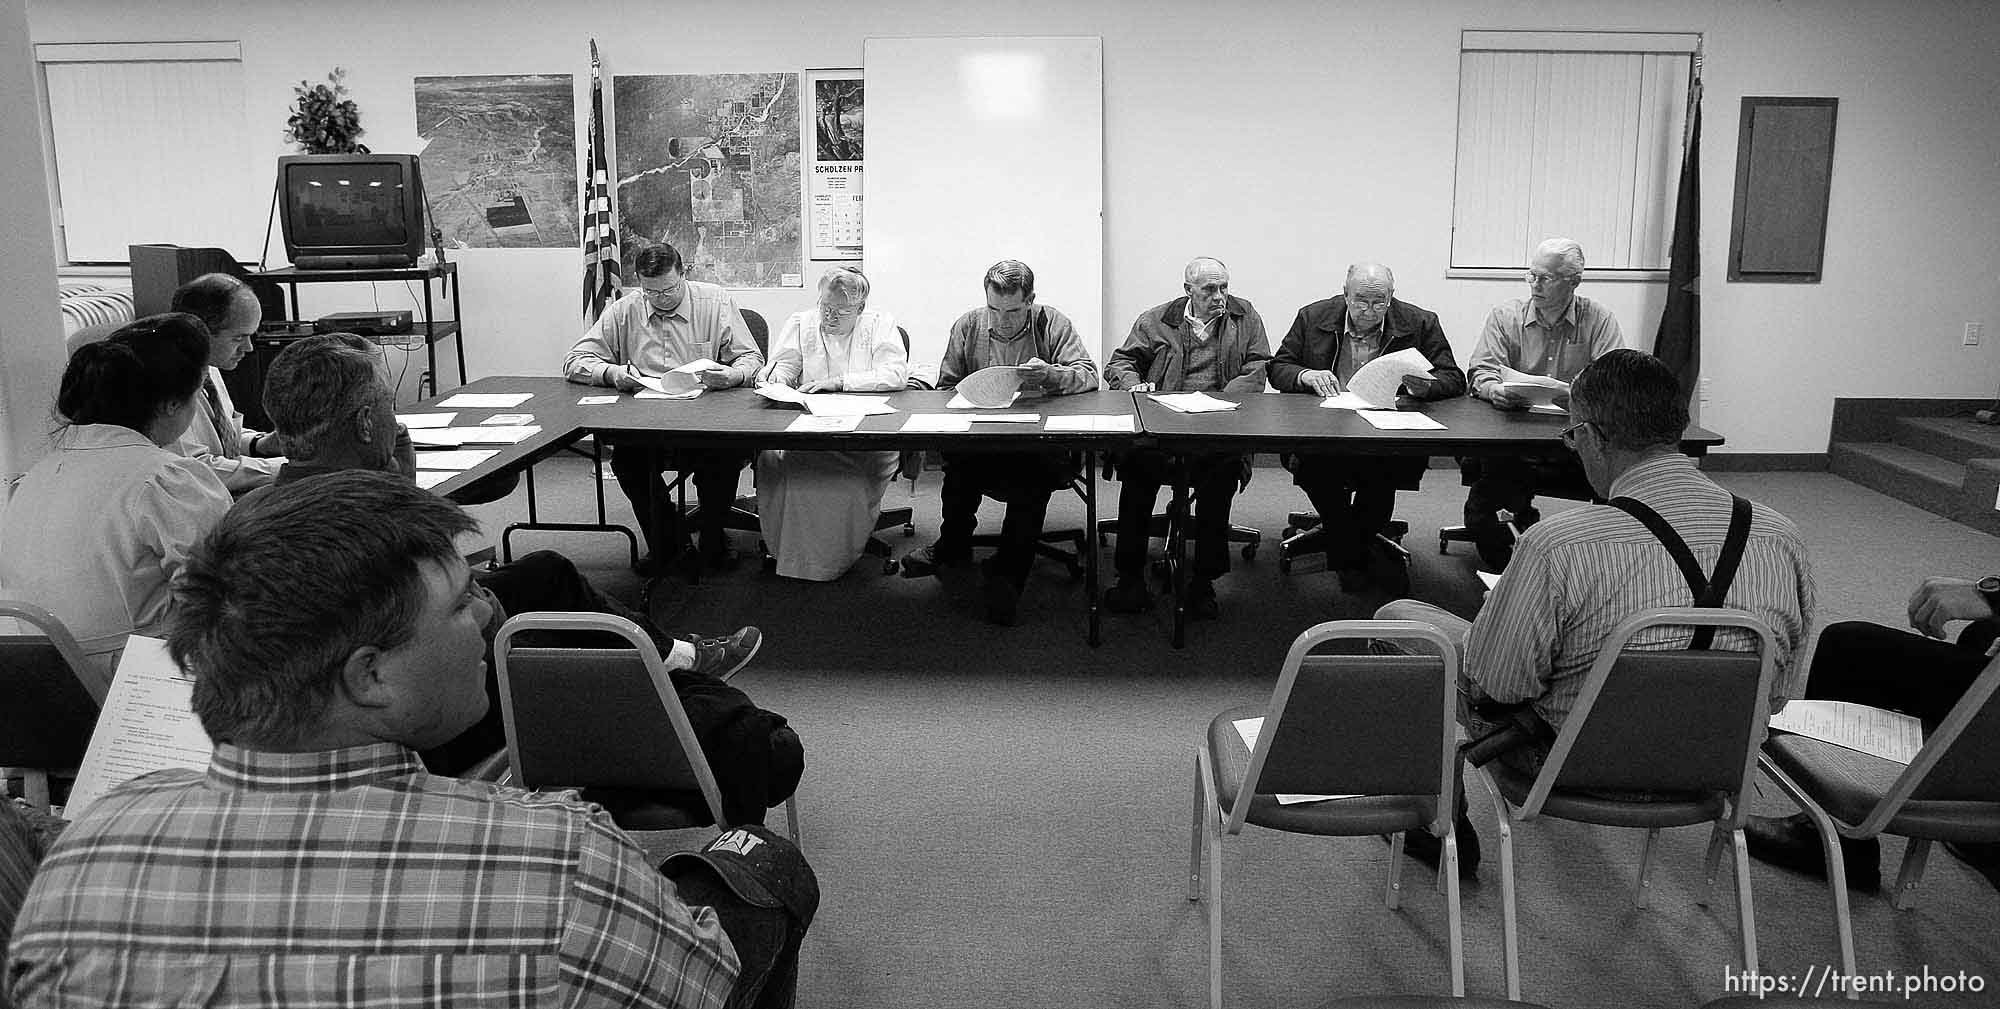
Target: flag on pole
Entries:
(1678, 342)
(600, 230)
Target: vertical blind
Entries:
(1568, 133)
(151, 145)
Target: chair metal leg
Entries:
(1392, 892)
(1712, 863)
(1510, 928)
(1454, 916)
(1836, 867)
(1914, 858)
(1195, 839)
(1645, 884)
(1747, 918)
(1213, 824)
(34, 787)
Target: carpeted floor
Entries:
(1000, 816)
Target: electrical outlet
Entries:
(1973, 331)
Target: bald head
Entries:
(1206, 282)
(1369, 289)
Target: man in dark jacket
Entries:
(1330, 341)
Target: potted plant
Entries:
(324, 120)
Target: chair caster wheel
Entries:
(909, 529)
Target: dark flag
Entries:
(600, 231)
(1678, 342)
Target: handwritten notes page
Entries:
(1248, 729)
(1890, 735)
(146, 725)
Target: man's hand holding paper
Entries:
(1518, 389)
(1376, 384)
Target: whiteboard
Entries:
(978, 150)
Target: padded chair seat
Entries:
(1361, 815)
(1658, 810)
(1848, 784)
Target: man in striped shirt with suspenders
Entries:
(1669, 536)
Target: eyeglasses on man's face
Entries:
(1568, 434)
(1537, 278)
(831, 311)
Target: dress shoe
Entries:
(1201, 604)
(1129, 595)
(924, 562)
(1426, 848)
(1792, 842)
(1003, 600)
(1983, 858)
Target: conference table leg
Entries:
(1177, 523)
(1090, 548)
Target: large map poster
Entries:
(500, 165)
(710, 162)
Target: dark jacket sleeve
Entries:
(1291, 360)
(1256, 354)
(957, 361)
(1127, 366)
(1432, 344)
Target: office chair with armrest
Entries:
(1162, 525)
(608, 722)
(1379, 731)
(1551, 481)
(1657, 739)
(1949, 792)
(52, 696)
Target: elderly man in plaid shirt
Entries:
(333, 630)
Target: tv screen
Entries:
(351, 211)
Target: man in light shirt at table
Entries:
(243, 458)
(669, 322)
(1553, 332)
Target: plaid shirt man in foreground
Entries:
(332, 630)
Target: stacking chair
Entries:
(608, 722)
(1950, 792)
(1676, 730)
(1380, 730)
(52, 694)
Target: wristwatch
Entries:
(1989, 587)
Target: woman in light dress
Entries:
(819, 508)
(97, 529)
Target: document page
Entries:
(959, 402)
(417, 421)
(1890, 735)
(428, 478)
(832, 403)
(462, 459)
(481, 435)
(1397, 420)
(1377, 382)
(1539, 390)
(146, 725)
(488, 400)
(1248, 729)
(1192, 402)
(1117, 423)
(813, 424)
(938, 422)
(990, 387)
(677, 385)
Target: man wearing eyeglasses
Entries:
(668, 322)
(1329, 341)
(1553, 332)
(1580, 574)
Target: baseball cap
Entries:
(759, 866)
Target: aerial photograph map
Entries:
(500, 165)
(710, 162)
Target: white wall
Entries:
(31, 349)
(1290, 138)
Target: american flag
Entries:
(600, 231)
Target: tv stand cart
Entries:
(427, 326)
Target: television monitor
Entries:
(351, 211)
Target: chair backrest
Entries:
(760, 331)
(596, 717)
(1959, 762)
(1668, 721)
(49, 708)
(1359, 724)
(89, 334)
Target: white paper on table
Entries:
(1538, 390)
(807, 423)
(462, 459)
(1378, 381)
(779, 392)
(1345, 400)
(596, 400)
(420, 421)
(1890, 735)
(1248, 729)
(451, 437)
(835, 404)
(488, 400)
(1115, 422)
(428, 478)
(146, 725)
(959, 402)
(1548, 408)
(1397, 420)
(1192, 402)
(1005, 418)
(509, 419)
(937, 423)
(990, 387)
(654, 394)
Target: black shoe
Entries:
(1354, 580)
(925, 561)
(649, 566)
(1201, 604)
(1003, 600)
(1429, 849)
(1983, 858)
(1792, 842)
(1129, 595)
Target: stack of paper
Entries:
(146, 725)
(1539, 391)
(1192, 402)
(488, 400)
(1890, 735)
(1375, 384)
(1119, 423)
(989, 387)
(933, 423)
(959, 402)
(1392, 420)
(1248, 729)
(825, 403)
(683, 382)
